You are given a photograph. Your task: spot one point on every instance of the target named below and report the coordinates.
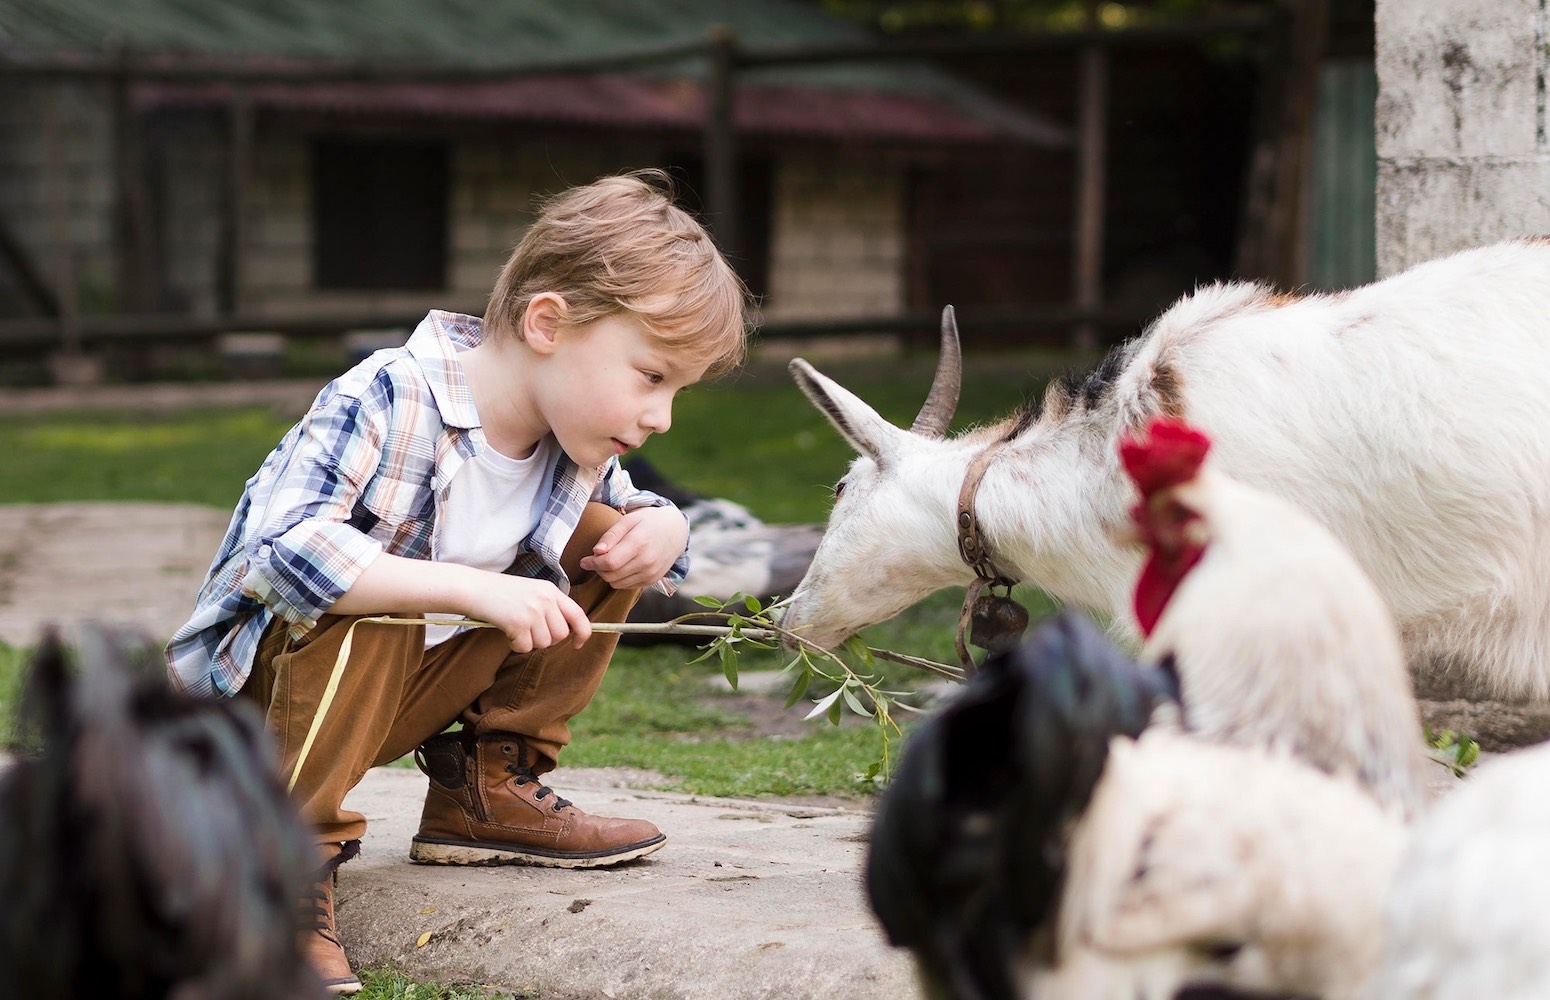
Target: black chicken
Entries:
(968, 848)
(147, 848)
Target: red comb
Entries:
(1167, 453)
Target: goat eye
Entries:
(839, 488)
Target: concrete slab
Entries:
(136, 564)
(746, 900)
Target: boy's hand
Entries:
(532, 613)
(640, 549)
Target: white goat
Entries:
(1408, 416)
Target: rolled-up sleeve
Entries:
(303, 552)
(617, 490)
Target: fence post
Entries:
(721, 201)
(1091, 175)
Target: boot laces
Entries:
(314, 914)
(525, 774)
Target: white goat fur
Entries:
(1408, 416)
(1186, 848)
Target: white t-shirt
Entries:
(493, 503)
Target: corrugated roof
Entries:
(865, 99)
(613, 100)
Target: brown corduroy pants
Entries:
(395, 693)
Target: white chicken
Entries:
(1204, 864)
(1466, 914)
(1278, 637)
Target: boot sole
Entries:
(425, 851)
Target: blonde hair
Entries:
(620, 244)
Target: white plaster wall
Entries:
(1463, 157)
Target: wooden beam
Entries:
(139, 278)
(721, 196)
(239, 155)
(67, 337)
(1091, 177)
(29, 276)
(1272, 241)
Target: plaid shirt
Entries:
(365, 472)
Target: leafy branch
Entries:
(1455, 751)
(748, 624)
(856, 686)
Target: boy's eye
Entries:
(654, 378)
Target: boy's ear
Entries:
(541, 321)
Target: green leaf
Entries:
(855, 704)
(799, 688)
(752, 604)
(729, 665)
(1468, 751)
(710, 651)
(708, 602)
(824, 704)
(836, 710)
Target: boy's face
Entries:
(609, 385)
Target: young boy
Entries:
(473, 472)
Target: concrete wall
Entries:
(1463, 153)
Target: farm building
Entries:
(319, 167)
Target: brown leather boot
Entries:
(485, 806)
(319, 935)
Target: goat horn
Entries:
(942, 401)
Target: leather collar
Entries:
(973, 550)
(971, 544)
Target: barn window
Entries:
(379, 214)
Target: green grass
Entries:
(391, 984)
(754, 439)
(201, 457)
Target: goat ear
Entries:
(857, 422)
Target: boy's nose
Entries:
(659, 418)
